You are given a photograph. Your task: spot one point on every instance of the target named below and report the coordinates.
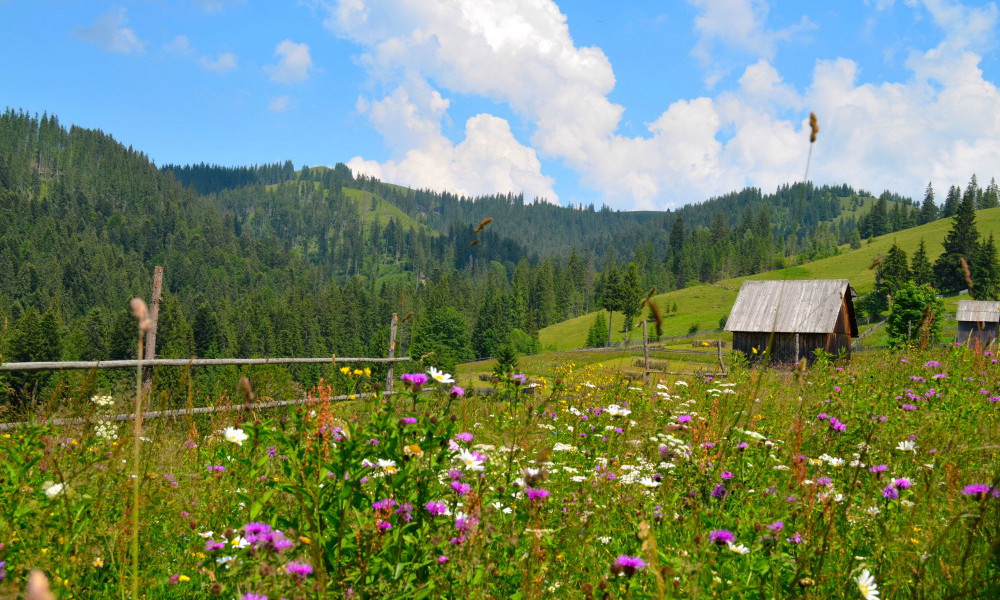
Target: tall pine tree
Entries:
(962, 242)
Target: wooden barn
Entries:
(978, 322)
(805, 316)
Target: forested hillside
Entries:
(268, 261)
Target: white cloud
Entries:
(294, 65)
(180, 45)
(941, 123)
(110, 32)
(740, 25)
(279, 104)
(220, 64)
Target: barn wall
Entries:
(783, 348)
(978, 334)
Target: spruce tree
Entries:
(928, 210)
(631, 296)
(598, 333)
(962, 242)
(951, 202)
(991, 197)
(611, 297)
(986, 272)
(893, 273)
(921, 271)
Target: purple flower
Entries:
(253, 596)
(795, 538)
(442, 559)
(172, 580)
(630, 564)
(726, 475)
(902, 483)
(465, 436)
(414, 379)
(719, 491)
(980, 490)
(383, 504)
(255, 528)
(878, 469)
(939, 376)
(461, 488)
(708, 445)
(917, 378)
(211, 546)
(822, 416)
(683, 418)
(776, 526)
(824, 481)
(791, 499)
(216, 469)
(721, 537)
(536, 494)
(932, 364)
(405, 512)
(465, 522)
(409, 420)
(457, 391)
(300, 570)
(436, 508)
(890, 492)
(742, 446)
(383, 525)
(908, 407)
(836, 425)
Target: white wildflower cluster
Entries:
(106, 430)
(617, 411)
(103, 401)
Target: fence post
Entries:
(645, 352)
(154, 312)
(722, 365)
(390, 377)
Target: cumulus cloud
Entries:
(294, 65)
(225, 61)
(110, 32)
(940, 122)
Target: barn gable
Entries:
(802, 306)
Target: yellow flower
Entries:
(413, 450)
(345, 370)
(183, 578)
(368, 372)
(98, 562)
(305, 540)
(358, 372)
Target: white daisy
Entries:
(469, 460)
(54, 490)
(649, 482)
(867, 586)
(617, 411)
(907, 446)
(440, 376)
(739, 548)
(232, 434)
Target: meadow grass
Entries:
(586, 484)
(704, 305)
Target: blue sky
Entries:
(638, 105)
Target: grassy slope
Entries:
(705, 305)
(382, 211)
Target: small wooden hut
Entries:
(804, 316)
(978, 322)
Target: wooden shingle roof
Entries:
(978, 311)
(803, 306)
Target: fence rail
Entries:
(181, 362)
(181, 412)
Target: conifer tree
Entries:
(962, 242)
(631, 296)
(986, 272)
(598, 333)
(611, 299)
(928, 210)
(990, 196)
(921, 271)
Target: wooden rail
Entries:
(180, 412)
(182, 362)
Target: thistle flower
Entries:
(721, 537)
(629, 564)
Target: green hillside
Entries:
(375, 209)
(705, 305)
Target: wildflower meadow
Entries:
(877, 478)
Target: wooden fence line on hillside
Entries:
(200, 410)
(182, 362)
